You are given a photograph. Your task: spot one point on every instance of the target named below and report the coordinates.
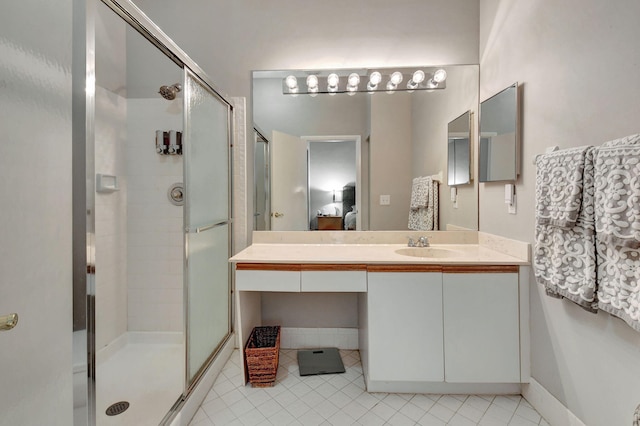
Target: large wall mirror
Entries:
(347, 160)
(499, 136)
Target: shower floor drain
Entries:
(117, 408)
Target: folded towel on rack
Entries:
(559, 186)
(419, 193)
(618, 191)
(564, 256)
(617, 216)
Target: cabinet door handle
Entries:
(277, 214)
(7, 322)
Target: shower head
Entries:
(170, 92)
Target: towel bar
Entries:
(547, 151)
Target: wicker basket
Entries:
(261, 354)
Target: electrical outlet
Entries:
(385, 200)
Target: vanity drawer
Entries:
(260, 280)
(339, 278)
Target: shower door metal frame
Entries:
(84, 173)
(192, 383)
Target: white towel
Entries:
(617, 216)
(564, 256)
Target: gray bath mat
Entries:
(320, 361)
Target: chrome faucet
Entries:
(422, 242)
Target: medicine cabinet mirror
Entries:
(459, 150)
(499, 136)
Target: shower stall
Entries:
(152, 312)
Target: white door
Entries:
(35, 215)
(288, 183)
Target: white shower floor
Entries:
(150, 376)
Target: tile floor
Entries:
(340, 399)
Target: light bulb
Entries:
(396, 78)
(391, 87)
(418, 77)
(291, 82)
(371, 87)
(332, 81)
(439, 76)
(353, 79)
(375, 78)
(312, 82)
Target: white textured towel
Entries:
(564, 256)
(425, 216)
(617, 216)
(420, 192)
(559, 184)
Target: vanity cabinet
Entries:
(481, 327)
(455, 324)
(422, 327)
(405, 326)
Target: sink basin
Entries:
(428, 252)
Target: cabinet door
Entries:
(405, 326)
(481, 328)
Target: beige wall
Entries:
(390, 161)
(229, 39)
(431, 113)
(579, 63)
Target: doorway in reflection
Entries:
(332, 185)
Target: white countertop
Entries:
(441, 254)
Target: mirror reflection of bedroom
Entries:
(332, 185)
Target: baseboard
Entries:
(444, 388)
(553, 411)
(301, 338)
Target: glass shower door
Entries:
(207, 223)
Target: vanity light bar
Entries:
(353, 82)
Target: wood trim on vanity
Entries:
(268, 267)
(480, 269)
(333, 267)
(404, 268)
(451, 269)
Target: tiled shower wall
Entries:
(111, 218)
(154, 225)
